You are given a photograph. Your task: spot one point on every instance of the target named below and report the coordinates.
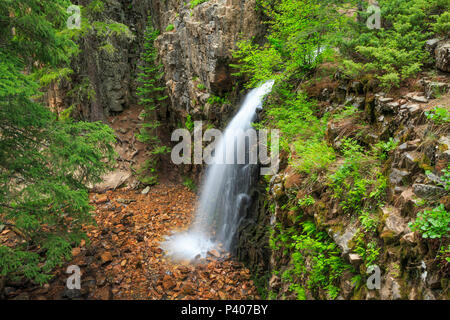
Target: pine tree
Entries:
(45, 163)
(151, 96)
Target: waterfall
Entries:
(224, 196)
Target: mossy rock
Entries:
(388, 236)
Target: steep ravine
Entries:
(195, 49)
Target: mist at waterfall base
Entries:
(224, 195)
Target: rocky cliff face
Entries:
(408, 263)
(195, 49)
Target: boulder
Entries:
(394, 224)
(434, 89)
(431, 45)
(397, 177)
(343, 238)
(112, 181)
(443, 56)
(390, 289)
(428, 191)
(355, 259)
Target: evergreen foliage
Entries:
(397, 50)
(298, 32)
(151, 96)
(45, 163)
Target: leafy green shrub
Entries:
(396, 51)
(438, 115)
(384, 147)
(442, 25)
(432, 223)
(358, 181)
(217, 100)
(201, 86)
(170, 27)
(189, 124)
(297, 31)
(313, 156)
(306, 201)
(190, 184)
(46, 163)
(324, 266)
(444, 253)
(294, 116)
(147, 174)
(445, 179)
(348, 112)
(195, 3)
(368, 221)
(368, 252)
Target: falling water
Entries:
(225, 193)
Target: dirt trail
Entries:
(124, 261)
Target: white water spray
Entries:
(225, 193)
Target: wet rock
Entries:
(357, 87)
(409, 145)
(433, 178)
(382, 105)
(410, 160)
(214, 253)
(428, 295)
(359, 102)
(200, 47)
(444, 143)
(125, 201)
(428, 191)
(406, 201)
